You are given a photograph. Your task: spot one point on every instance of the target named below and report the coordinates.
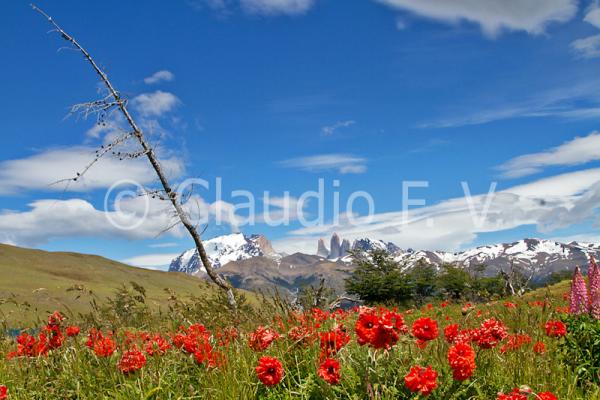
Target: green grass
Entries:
(74, 372)
(34, 283)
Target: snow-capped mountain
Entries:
(538, 256)
(222, 250)
(250, 262)
(339, 249)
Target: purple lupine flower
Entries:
(594, 277)
(578, 302)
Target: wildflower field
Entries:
(508, 349)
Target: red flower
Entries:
(269, 371)
(331, 342)
(539, 347)
(515, 342)
(556, 329)
(516, 394)
(262, 338)
(419, 379)
(157, 345)
(55, 318)
(425, 329)
(3, 392)
(329, 370)
(490, 333)
(365, 327)
(72, 331)
(543, 396)
(379, 330)
(451, 332)
(104, 346)
(462, 361)
(131, 361)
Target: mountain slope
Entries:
(42, 278)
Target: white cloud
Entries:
(133, 218)
(160, 261)
(343, 163)
(577, 151)
(592, 15)
(274, 7)
(50, 219)
(41, 170)
(159, 76)
(493, 16)
(549, 204)
(155, 104)
(330, 130)
(588, 47)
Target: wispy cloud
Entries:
(588, 47)
(155, 104)
(492, 16)
(579, 101)
(277, 7)
(577, 151)
(342, 163)
(430, 145)
(330, 129)
(163, 245)
(159, 76)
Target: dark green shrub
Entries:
(581, 347)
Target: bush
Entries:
(581, 348)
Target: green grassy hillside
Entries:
(34, 282)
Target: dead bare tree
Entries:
(515, 280)
(115, 101)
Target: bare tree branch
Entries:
(121, 104)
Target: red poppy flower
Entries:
(329, 371)
(422, 380)
(462, 361)
(515, 342)
(262, 338)
(104, 346)
(539, 347)
(331, 342)
(490, 333)
(3, 392)
(365, 327)
(72, 331)
(425, 329)
(516, 394)
(131, 361)
(269, 371)
(556, 329)
(157, 345)
(450, 333)
(55, 318)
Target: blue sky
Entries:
(275, 94)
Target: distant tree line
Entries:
(379, 278)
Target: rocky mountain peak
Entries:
(322, 250)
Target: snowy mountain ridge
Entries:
(540, 257)
(222, 250)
